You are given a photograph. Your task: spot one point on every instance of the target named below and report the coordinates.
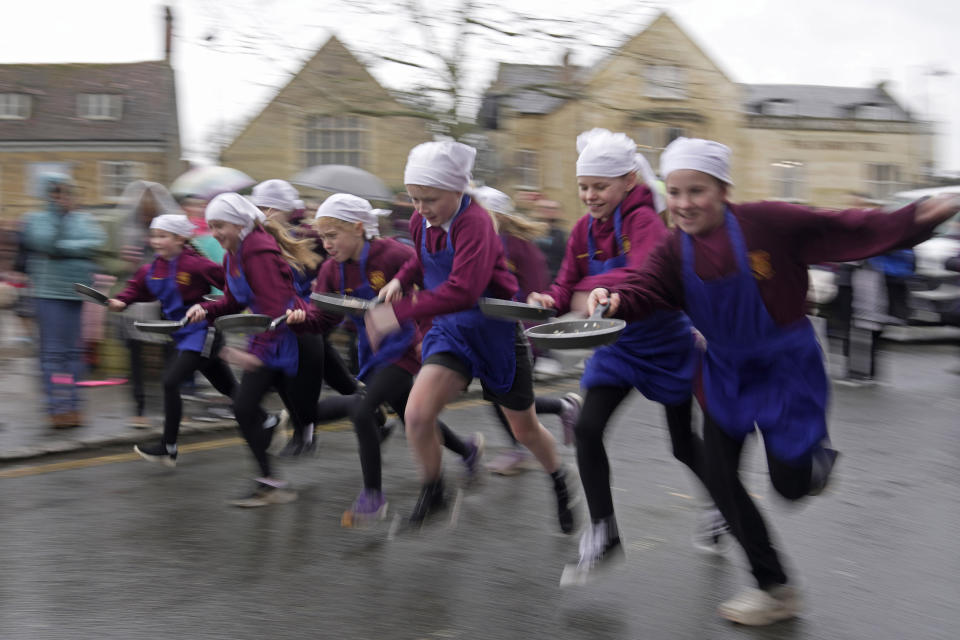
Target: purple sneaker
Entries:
(472, 461)
(569, 414)
(369, 507)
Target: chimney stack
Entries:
(168, 43)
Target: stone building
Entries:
(798, 143)
(103, 124)
(331, 112)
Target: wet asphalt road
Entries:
(124, 549)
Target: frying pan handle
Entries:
(599, 311)
(276, 322)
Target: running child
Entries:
(178, 277)
(740, 273)
(655, 356)
(257, 265)
(459, 259)
(527, 263)
(360, 264)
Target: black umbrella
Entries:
(341, 178)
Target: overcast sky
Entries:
(224, 75)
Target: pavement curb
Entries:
(132, 436)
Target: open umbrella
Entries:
(206, 182)
(341, 178)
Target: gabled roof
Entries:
(534, 88)
(817, 101)
(149, 101)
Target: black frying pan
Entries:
(595, 331)
(248, 322)
(342, 304)
(92, 294)
(161, 326)
(510, 310)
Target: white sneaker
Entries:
(513, 461)
(600, 551)
(758, 607)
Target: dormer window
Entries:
(871, 112)
(14, 106)
(99, 106)
(779, 107)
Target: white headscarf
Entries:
(494, 200)
(176, 223)
(234, 208)
(707, 156)
(350, 208)
(444, 164)
(611, 155)
(276, 194)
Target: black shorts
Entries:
(520, 395)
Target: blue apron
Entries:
(394, 345)
(282, 350)
(753, 370)
(193, 337)
(303, 283)
(485, 344)
(656, 355)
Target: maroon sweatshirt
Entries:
(781, 240)
(478, 266)
(270, 279)
(642, 231)
(527, 263)
(196, 275)
(385, 258)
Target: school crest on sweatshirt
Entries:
(760, 265)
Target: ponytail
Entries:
(520, 227)
(299, 253)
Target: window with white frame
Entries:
(665, 81)
(883, 180)
(14, 106)
(788, 180)
(527, 169)
(100, 106)
(336, 140)
(115, 175)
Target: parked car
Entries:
(934, 291)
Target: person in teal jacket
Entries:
(62, 243)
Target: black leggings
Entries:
(251, 416)
(390, 384)
(335, 371)
(301, 392)
(598, 406)
(722, 467)
(181, 368)
(542, 406)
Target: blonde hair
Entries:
(299, 253)
(518, 226)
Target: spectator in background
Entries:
(553, 243)
(62, 244)
(15, 275)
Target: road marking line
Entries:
(207, 445)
